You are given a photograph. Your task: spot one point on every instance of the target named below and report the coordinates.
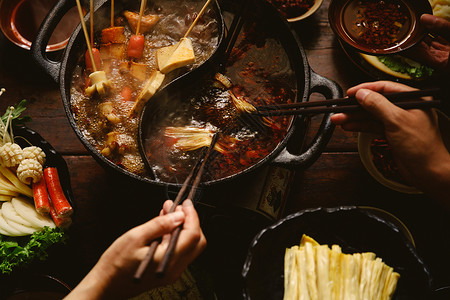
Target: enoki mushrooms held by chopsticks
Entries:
(193, 138)
(244, 109)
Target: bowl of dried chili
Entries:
(378, 27)
(296, 10)
(376, 156)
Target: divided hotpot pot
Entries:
(307, 82)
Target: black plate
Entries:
(25, 136)
(354, 229)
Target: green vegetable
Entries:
(16, 252)
(15, 115)
(9, 119)
(405, 65)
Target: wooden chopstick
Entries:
(348, 104)
(160, 271)
(162, 267)
(344, 108)
(393, 97)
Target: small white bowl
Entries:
(311, 11)
(365, 153)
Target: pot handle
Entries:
(330, 90)
(39, 45)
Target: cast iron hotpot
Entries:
(307, 82)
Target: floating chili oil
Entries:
(292, 8)
(379, 24)
(384, 161)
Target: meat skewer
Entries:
(168, 59)
(99, 82)
(112, 13)
(95, 52)
(136, 43)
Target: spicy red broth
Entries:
(261, 74)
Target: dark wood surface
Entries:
(108, 205)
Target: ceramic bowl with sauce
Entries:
(376, 158)
(20, 21)
(378, 27)
(296, 10)
(390, 178)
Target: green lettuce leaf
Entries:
(16, 252)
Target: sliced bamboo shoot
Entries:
(150, 88)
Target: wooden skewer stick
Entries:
(91, 13)
(141, 12)
(86, 36)
(112, 13)
(196, 19)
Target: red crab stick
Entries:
(60, 203)
(61, 222)
(40, 195)
(136, 46)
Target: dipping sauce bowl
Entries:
(378, 27)
(20, 21)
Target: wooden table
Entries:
(106, 209)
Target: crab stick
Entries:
(40, 195)
(59, 200)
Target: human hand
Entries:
(414, 136)
(434, 51)
(112, 276)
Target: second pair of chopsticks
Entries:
(198, 168)
(350, 104)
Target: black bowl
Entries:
(354, 229)
(34, 286)
(25, 136)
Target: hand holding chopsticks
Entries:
(162, 267)
(415, 136)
